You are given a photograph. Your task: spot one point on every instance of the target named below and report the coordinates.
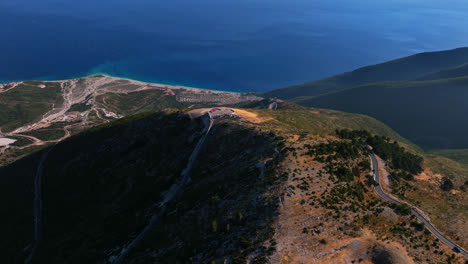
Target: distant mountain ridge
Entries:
(403, 69)
(423, 96)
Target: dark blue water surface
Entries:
(241, 45)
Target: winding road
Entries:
(417, 212)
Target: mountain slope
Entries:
(275, 184)
(101, 186)
(407, 68)
(431, 114)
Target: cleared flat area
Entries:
(6, 141)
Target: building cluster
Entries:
(214, 97)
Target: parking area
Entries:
(221, 113)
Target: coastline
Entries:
(157, 83)
(172, 85)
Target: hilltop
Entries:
(265, 185)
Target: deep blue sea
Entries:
(234, 45)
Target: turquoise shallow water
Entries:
(244, 45)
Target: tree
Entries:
(370, 181)
(447, 185)
(402, 209)
(344, 174)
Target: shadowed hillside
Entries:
(431, 114)
(101, 187)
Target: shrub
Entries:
(344, 174)
(401, 209)
(418, 226)
(365, 165)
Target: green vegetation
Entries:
(26, 103)
(135, 102)
(365, 165)
(46, 134)
(335, 150)
(337, 154)
(79, 107)
(344, 197)
(21, 141)
(402, 209)
(460, 155)
(399, 158)
(326, 122)
(402, 175)
(344, 174)
(370, 181)
(447, 185)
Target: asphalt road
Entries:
(380, 192)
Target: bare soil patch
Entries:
(428, 175)
(251, 117)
